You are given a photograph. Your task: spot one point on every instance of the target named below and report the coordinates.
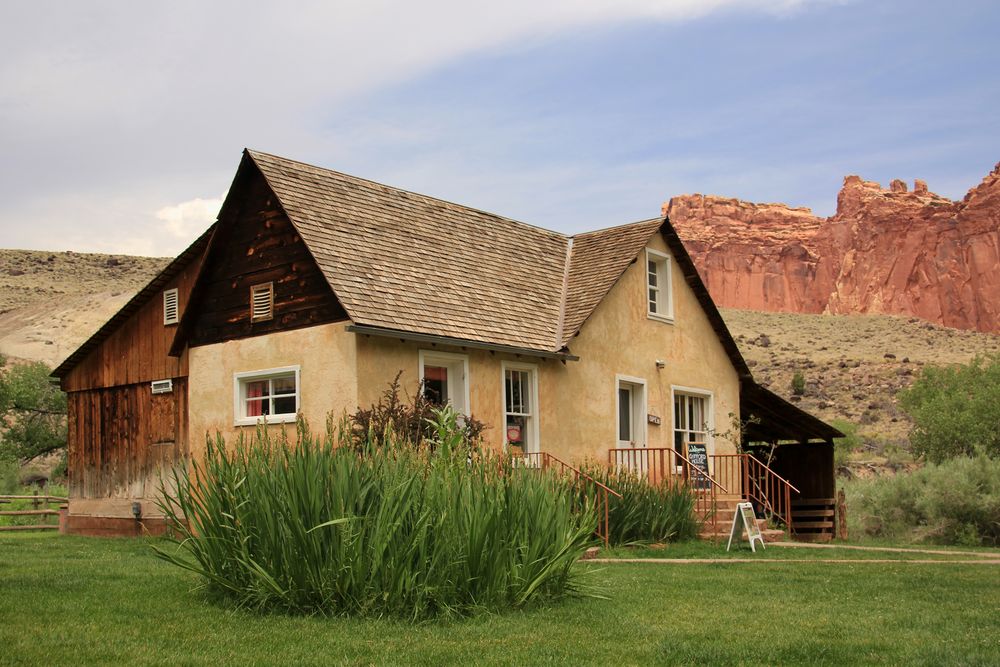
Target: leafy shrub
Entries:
(412, 420)
(645, 513)
(9, 476)
(955, 410)
(842, 447)
(317, 526)
(798, 383)
(956, 502)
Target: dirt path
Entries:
(852, 561)
(935, 552)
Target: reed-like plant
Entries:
(646, 513)
(315, 526)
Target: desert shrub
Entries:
(955, 410)
(798, 383)
(317, 526)
(645, 513)
(842, 447)
(9, 475)
(411, 418)
(955, 502)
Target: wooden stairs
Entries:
(725, 511)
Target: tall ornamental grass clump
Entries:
(646, 513)
(319, 527)
(955, 502)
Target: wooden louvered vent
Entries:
(170, 307)
(261, 302)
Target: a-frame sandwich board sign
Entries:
(745, 519)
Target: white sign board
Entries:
(745, 519)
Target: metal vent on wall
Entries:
(162, 386)
(261, 302)
(170, 306)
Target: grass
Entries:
(66, 600)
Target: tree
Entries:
(956, 410)
(33, 411)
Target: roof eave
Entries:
(420, 337)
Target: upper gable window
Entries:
(170, 307)
(262, 302)
(659, 292)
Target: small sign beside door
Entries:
(654, 419)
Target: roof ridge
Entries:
(561, 322)
(421, 195)
(625, 224)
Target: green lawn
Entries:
(78, 601)
(700, 549)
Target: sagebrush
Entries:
(955, 502)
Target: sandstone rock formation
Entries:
(889, 251)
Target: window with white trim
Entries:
(262, 302)
(520, 407)
(659, 295)
(690, 421)
(171, 307)
(269, 395)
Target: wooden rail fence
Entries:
(39, 508)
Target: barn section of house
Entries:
(314, 289)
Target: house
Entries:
(314, 289)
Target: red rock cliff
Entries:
(884, 251)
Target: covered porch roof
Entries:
(777, 420)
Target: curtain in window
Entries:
(256, 390)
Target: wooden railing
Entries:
(757, 483)
(664, 465)
(546, 461)
(39, 508)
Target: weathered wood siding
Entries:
(138, 350)
(257, 244)
(120, 438)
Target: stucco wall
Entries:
(325, 353)
(620, 339)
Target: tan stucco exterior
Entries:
(326, 356)
(341, 370)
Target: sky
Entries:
(122, 123)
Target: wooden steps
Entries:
(813, 519)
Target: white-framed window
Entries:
(520, 406)
(444, 378)
(659, 292)
(262, 302)
(171, 307)
(693, 420)
(270, 395)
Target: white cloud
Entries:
(108, 99)
(190, 217)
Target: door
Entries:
(631, 425)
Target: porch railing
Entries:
(664, 465)
(546, 461)
(757, 482)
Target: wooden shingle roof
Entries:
(404, 261)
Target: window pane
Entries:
(258, 388)
(284, 405)
(624, 414)
(436, 384)
(283, 385)
(255, 407)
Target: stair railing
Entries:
(660, 465)
(768, 488)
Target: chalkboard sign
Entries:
(698, 457)
(745, 519)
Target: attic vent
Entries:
(261, 302)
(162, 386)
(170, 306)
